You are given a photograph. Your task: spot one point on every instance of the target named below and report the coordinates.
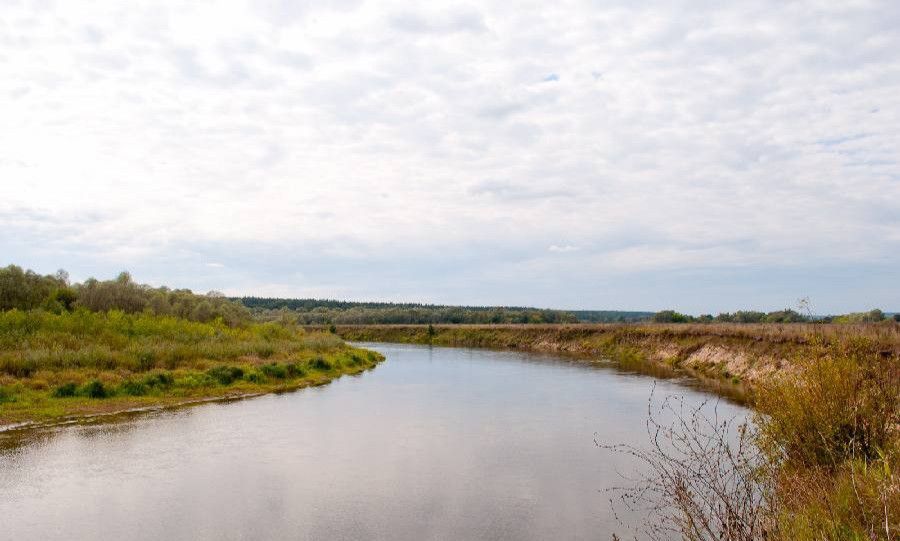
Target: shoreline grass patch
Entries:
(74, 363)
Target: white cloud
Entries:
(655, 137)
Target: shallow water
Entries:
(434, 443)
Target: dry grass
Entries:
(886, 333)
(820, 462)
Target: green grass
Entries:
(56, 365)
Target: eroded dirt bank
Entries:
(735, 353)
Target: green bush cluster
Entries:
(91, 389)
(225, 375)
(321, 364)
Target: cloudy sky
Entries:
(703, 155)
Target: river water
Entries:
(434, 443)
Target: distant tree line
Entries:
(334, 312)
(610, 316)
(320, 312)
(780, 316)
(27, 290)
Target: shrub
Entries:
(6, 395)
(159, 379)
(859, 501)
(321, 364)
(275, 370)
(820, 461)
(843, 403)
(65, 390)
(133, 388)
(65, 298)
(94, 389)
(296, 370)
(703, 478)
(194, 380)
(225, 375)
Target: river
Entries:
(434, 443)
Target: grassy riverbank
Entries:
(80, 363)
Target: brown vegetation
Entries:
(740, 353)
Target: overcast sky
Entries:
(703, 156)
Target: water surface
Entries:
(435, 443)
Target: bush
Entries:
(843, 403)
(194, 380)
(159, 379)
(65, 390)
(859, 501)
(321, 364)
(133, 388)
(6, 395)
(225, 375)
(296, 370)
(821, 460)
(274, 370)
(832, 428)
(94, 389)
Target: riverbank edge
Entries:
(125, 406)
(728, 359)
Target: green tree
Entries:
(670, 316)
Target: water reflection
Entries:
(434, 444)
